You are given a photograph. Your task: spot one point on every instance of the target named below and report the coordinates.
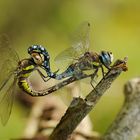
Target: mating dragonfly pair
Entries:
(77, 59)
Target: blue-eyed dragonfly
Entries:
(78, 58)
(13, 71)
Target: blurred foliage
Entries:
(115, 26)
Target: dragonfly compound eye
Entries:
(106, 58)
(34, 48)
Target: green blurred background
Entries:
(115, 26)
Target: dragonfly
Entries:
(14, 71)
(78, 59)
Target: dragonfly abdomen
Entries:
(67, 73)
(24, 85)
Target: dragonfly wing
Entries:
(6, 52)
(79, 45)
(6, 99)
(65, 58)
(8, 63)
(6, 71)
(8, 60)
(80, 38)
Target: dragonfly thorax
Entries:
(25, 66)
(92, 56)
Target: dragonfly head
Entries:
(38, 54)
(106, 58)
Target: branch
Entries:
(127, 124)
(46, 113)
(79, 107)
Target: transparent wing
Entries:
(6, 71)
(6, 52)
(6, 99)
(8, 60)
(79, 45)
(8, 63)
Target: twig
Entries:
(79, 107)
(127, 124)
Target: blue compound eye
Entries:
(106, 58)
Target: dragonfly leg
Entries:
(43, 76)
(91, 83)
(45, 80)
(56, 71)
(103, 73)
(92, 77)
